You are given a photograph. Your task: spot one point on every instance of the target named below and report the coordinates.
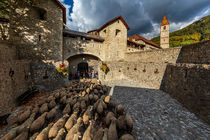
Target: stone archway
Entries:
(83, 66)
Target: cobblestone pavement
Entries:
(157, 116)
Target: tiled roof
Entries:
(110, 22)
(138, 44)
(64, 10)
(137, 37)
(72, 33)
(164, 21)
(92, 31)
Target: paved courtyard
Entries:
(157, 116)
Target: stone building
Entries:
(32, 50)
(164, 33)
(107, 43)
(146, 44)
(38, 42)
(36, 27)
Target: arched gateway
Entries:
(83, 66)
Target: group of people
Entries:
(89, 75)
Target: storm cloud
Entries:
(142, 16)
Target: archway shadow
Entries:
(83, 66)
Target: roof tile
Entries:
(137, 37)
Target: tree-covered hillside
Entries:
(196, 32)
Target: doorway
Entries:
(82, 68)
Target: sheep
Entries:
(129, 123)
(23, 135)
(52, 113)
(89, 132)
(108, 118)
(60, 134)
(127, 137)
(71, 121)
(52, 104)
(44, 133)
(33, 137)
(57, 126)
(10, 135)
(74, 129)
(99, 134)
(38, 123)
(22, 117)
(67, 109)
(120, 110)
(26, 124)
(112, 132)
(44, 108)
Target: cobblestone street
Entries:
(158, 116)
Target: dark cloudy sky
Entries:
(142, 16)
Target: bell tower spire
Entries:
(164, 33)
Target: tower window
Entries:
(164, 27)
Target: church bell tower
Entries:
(164, 33)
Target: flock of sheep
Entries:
(82, 111)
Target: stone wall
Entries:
(45, 74)
(189, 84)
(4, 29)
(149, 75)
(15, 77)
(74, 46)
(37, 28)
(150, 65)
(196, 53)
(15, 80)
(169, 55)
(7, 51)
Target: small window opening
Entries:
(164, 27)
(117, 32)
(11, 72)
(104, 31)
(83, 38)
(40, 37)
(42, 14)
